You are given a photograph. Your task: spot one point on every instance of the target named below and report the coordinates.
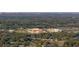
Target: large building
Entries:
(35, 30)
(53, 30)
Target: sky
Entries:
(39, 5)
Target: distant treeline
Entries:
(42, 22)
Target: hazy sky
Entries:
(39, 5)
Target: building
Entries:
(11, 30)
(53, 30)
(35, 30)
(21, 30)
